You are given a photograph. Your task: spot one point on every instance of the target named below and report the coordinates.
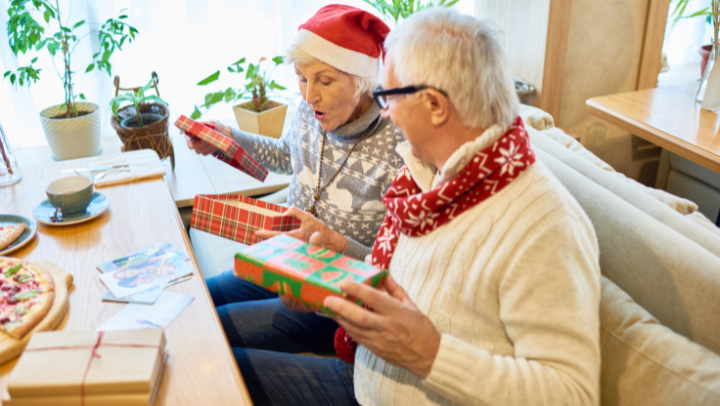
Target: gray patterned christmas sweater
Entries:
(352, 204)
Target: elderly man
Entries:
(494, 290)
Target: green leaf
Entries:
(122, 17)
(25, 278)
(196, 114)
(79, 23)
(82, 96)
(7, 74)
(13, 270)
(209, 79)
(46, 16)
(90, 67)
(250, 71)
(278, 60)
(12, 78)
(28, 294)
(154, 99)
(275, 86)
(230, 69)
(34, 60)
(241, 60)
(65, 29)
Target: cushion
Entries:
(668, 274)
(682, 206)
(628, 191)
(645, 363)
(536, 118)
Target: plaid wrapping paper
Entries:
(232, 153)
(213, 214)
(288, 266)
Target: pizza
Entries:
(27, 292)
(10, 233)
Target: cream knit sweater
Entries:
(513, 287)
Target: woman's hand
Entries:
(311, 230)
(295, 304)
(397, 331)
(202, 147)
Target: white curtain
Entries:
(182, 40)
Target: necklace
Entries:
(313, 205)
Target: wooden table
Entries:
(194, 174)
(668, 117)
(201, 369)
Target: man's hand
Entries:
(397, 331)
(311, 230)
(204, 148)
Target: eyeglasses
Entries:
(382, 95)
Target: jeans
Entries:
(265, 335)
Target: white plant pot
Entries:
(269, 123)
(71, 138)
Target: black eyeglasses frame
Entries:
(380, 94)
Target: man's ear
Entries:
(439, 106)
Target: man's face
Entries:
(408, 113)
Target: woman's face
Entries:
(330, 92)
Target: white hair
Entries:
(362, 85)
(460, 55)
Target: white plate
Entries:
(98, 206)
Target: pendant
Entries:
(317, 196)
(313, 211)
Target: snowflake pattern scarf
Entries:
(416, 214)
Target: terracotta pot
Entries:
(152, 136)
(269, 123)
(704, 52)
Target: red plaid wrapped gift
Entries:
(238, 217)
(232, 153)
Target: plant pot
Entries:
(148, 119)
(152, 136)
(269, 123)
(71, 138)
(704, 52)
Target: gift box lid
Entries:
(54, 363)
(304, 271)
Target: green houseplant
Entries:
(254, 111)
(397, 9)
(141, 120)
(73, 127)
(678, 13)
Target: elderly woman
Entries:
(341, 153)
(494, 290)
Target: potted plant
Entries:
(73, 128)
(678, 13)
(141, 120)
(255, 113)
(397, 9)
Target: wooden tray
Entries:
(11, 348)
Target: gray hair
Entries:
(362, 85)
(460, 55)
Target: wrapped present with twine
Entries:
(229, 151)
(238, 217)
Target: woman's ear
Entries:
(439, 106)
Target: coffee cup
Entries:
(72, 194)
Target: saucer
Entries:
(44, 210)
(25, 237)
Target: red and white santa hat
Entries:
(344, 37)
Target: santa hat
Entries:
(344, 37)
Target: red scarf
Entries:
(416, 214)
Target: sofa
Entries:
(660, 264)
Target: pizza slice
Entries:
(27, 292)
(10, 233)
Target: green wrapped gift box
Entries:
(306, 272)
